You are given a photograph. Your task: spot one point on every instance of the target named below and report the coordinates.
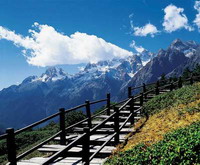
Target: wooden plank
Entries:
(135, 106)
(106, 116)
(109, 123)
(27, 163)
(68, 137)
(61, 161)
(56, 148)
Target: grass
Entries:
(183, 95)
(165, 121)
(169, 113)
(178, 147)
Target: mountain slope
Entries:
(38, 97)
(170, 62)
(171, 133)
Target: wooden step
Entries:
(63, 161)
(107, 124)
(68, 137)
(134, 107)
(137, 103)
(105, 130)
(106, 116)
(99, 139)
(165, 90)
(150, 97)
(77, 150)
(124, 112)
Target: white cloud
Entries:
(139, 49)
(145, 30)
(197, 19)
(47, 47)
(174, 19)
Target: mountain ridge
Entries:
(38, 97)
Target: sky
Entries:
(36, 34)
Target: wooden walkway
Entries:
(101, 135)
(96, 140)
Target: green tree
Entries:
(186, 73)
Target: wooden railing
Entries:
(84, 139)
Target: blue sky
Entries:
(119, 22)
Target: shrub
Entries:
(179, 147)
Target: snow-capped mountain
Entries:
(188, 47)
(116, 68)
(38, 97)
(51, 74)
(171, 62)
(146, 56)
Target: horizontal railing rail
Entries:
(99, 101)
(4, 136)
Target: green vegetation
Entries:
(181, 96)
(179, 147)
(171, 135)
(187, 73)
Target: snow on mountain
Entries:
(52, 74)
(55, 88)
(170, 62)
(146, 56)
(116, 68)
(188, 47)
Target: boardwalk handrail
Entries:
(87, 105)
(4, 136)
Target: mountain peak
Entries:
(177, 43)
(53, 74)
(53, 71)
(146, 56)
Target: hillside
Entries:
(170, 135)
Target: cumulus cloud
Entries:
(145, 30)
(139, 49)
(197, 19)
(47, 47)
(174, 19)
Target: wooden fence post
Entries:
(88, 112)
(180, 83)
(86, 146)
(191, 80)
(11, 146)
(144, 90)
(129, 92)
(62, 126)
(116, 125)
(157, 88)
(132, 110)
(108, 104)
(171, 86)
(141, 99)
